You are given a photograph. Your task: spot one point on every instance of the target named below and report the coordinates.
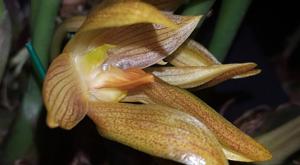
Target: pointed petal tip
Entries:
(248, 74)
(195, 19)
(250, 64)
(51, 122)
(199, 17)
(267, 156)
(262, 155)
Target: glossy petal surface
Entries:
(159, 131)
(201, 76)
(227, 134)
(64, 94)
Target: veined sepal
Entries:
(134, 37)
(192, 53)
(158, 130)
(238, 144)
(200, 76)
(65, 95)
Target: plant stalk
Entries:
(198, 7)
(2, 9)
(231, 15)
(44, 27)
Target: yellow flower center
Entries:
(110, 84)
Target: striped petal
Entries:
(191, 53)
(122, 79)
(124, 13)
(67, 85)
(63, 94)
(141, 40)
(203, 76)
(158, 131)
(73, 24)
(232, 139)
(242, 72)
(111, 15)
(145, 44)
(164, 5)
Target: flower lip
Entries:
(127, 79)
(99, 76)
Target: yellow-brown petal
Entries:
(243, 71)
(108, 16)
(164, 5)
(193, 76)
(159, 131)
(137, 97)
(69, 25)
(228, 135)
(143, 45)
(73, 24)
(122, 79)
(63, 94)
(247, 74)
(191, 53)
(124, 13)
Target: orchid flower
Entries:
(107, 67)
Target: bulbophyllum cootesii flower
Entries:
(108, 64)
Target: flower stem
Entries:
(2, 9)
(230, 17)
(44, 27)
(34, 12)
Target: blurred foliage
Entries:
(5, 39)
(20, 139)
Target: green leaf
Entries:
(230, 17)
